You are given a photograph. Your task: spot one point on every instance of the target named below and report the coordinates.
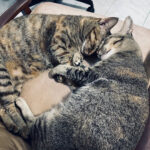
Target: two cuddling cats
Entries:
(31, 44)
(110, 108)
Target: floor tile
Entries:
(102, 6)
(138, 10)
(147, 21)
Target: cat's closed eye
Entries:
(117, 41)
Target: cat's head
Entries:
(100, 30)
(119, 42)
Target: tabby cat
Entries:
(108, 112)
(34, 43)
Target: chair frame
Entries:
(17, 7)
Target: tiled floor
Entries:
(139, 10)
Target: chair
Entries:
(38, 93)
(14, 9)
(89, 2)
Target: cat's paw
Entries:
(25, 110)
(59, 72)
(77, 59)
(12, 119)
(26, 114)
(59, 78)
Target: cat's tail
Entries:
(147, 67)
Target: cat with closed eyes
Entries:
(109, 110)
(31, 44)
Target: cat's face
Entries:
(97, 35)
(115, 43)
(118, 42)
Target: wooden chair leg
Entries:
(90, 2)
(26, 11)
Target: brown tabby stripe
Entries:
(8, 83)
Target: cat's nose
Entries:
(77, 63)
(99, 56)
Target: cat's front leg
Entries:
(59, 73)
(27, 116)
(12, 119)
(77, 60)
(9, 114)
(77, 75)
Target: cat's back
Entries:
(115, 108)
(34, 28)
(105, 114)
(109, 113)
(35, 25)
(25, 35)
(25, 25)
(112, 113)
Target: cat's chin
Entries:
(104, 57)
(107, 55)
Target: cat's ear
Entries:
(108, 23)
(127, 26)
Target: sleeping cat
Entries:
(108, 112)
(34, 43)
